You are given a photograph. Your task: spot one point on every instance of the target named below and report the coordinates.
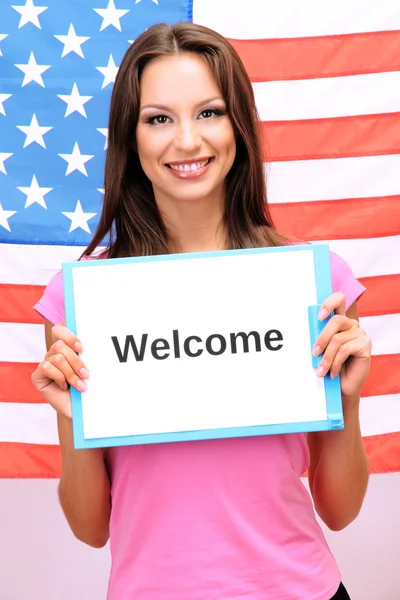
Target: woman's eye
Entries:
(209, 112)
(158, 120)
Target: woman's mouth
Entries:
(189, 170)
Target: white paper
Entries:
(198, 297)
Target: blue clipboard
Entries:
(334, 420)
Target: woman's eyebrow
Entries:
(168, 108)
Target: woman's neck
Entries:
(195, 226)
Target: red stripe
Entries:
(41, 461)
(29, 461)
(16, 302)
(383, 452)
(382, 296)
(323, 56)
(15, 383)
(384, 376)
(340, 137)
(339, 219)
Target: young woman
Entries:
(217, 519)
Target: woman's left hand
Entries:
(346, 346)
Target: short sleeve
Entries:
(51, 304)
(343, 280)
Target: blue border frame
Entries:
(332, 386)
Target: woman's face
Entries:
(185, 139)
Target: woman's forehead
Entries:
(184, 77)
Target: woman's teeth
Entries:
(192, 167)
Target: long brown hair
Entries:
(130, 221)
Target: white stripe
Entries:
(333, 178)
(34, 264)
(375, 93)
(370, 257)
(36, 423)
(20, 342)
(28, 423)
(384, 331)
(380, 414)
(290, 18)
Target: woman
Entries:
(216, 519)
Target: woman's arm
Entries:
(84, 489)
(338, 473)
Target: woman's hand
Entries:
(60, 369)
(346, 346)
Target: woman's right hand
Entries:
(60, 369)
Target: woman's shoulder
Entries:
(344, 280)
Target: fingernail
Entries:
(316, 351)
(78, 347)
(84, 372)
(82, 386)
(323, 313)
(320, 371)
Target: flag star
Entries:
(72, 42)
(33, 71)
(104, 131)
(79, 218)
(3, 98)
(3, 158)
(109, 72)
(101, 190)
(76, 161)
(29, 13)
(155, 1)
(34, 193)
(4, 216)
(2, 37)
(75, 102)
(33, 132)
(111, 15)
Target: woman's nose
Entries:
(187, 138)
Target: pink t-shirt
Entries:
(226, 519)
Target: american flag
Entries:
(327, 82)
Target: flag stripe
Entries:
(37, 423)
(339, 219)
(34, 264)
(322, 56)
(342, 137)
(382, 296)
(380, 414)
(21, 342)
(331, 97)
(333, 178)
(381, 329)
(294, 19)
(367, 257)
(17, 302)
(384, 376)
(29, 461)
(44, 461)
(28, 423)
(370, 257)
(16, 385)
(383, 452)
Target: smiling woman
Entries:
(211, 519)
